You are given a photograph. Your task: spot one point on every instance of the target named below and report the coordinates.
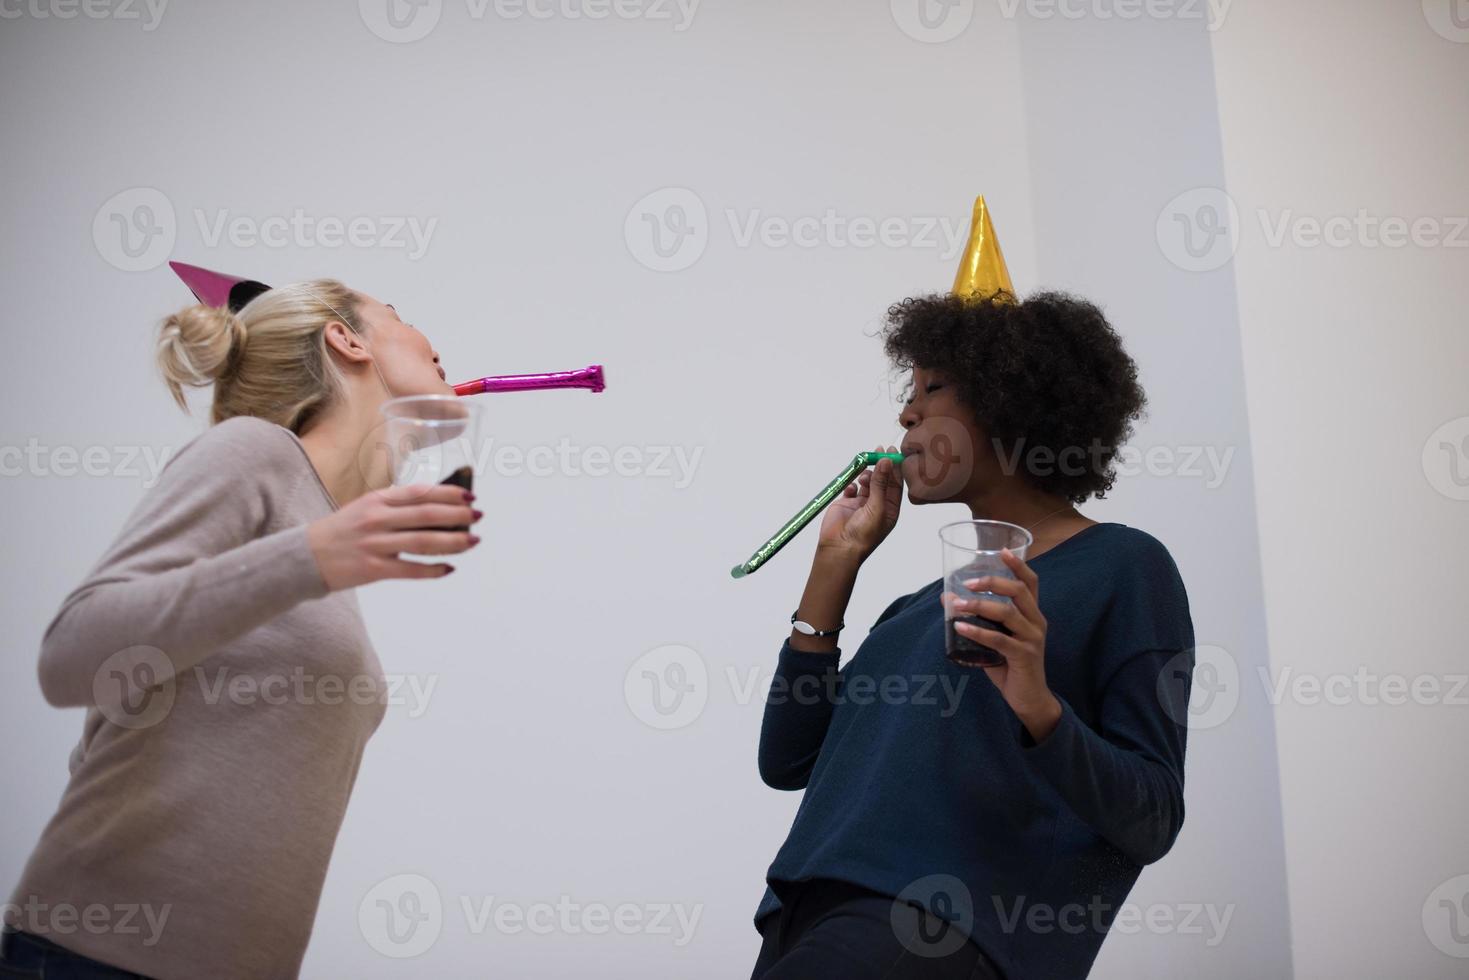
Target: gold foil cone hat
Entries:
(982, 271)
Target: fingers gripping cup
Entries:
(971, 549)
(432, 439)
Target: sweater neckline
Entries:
(315, 476)
(1079, 534)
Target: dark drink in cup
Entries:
(463, 478)
(973, 550)
(967, 652)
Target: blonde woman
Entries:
(206, 793)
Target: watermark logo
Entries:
(407, 233)
(933, 916)
(402, 916)
(1448, 18)
(1198, 230)
(44, 462)
(405, 21)
(134, 230)
(1446, 917)
(667, 230)
(1099, 916)
(134, 688)
(1200, 688)
(1446, 459)
(1211, 12)
(932, 21)
(667, 687)
(1364, 687)
(145, 922)
(400, 21)
(90, 9)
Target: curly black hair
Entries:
(1048, 373)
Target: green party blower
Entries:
(817, 503)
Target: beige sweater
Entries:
(228, 697)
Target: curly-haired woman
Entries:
(219, 650)
(957, 825)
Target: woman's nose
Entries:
(908, 418)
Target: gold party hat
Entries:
(982, 271)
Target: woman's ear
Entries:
(346, 342)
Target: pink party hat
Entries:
(217, 289)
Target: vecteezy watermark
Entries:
(932, 21)
(149, 12)
(1207, 463)
(37, 460)
(1448, 18)
(96, 919)
(1446, 917)
(1099, 916)
(1199, 230)
(1200, 688)
(1366, 687)
(936, 21)
(299, 686)
(403, 916)
(408, 233)
(139, 686)
(669, 230)
(651, 462)
(1211, 12)
(136, 229)
(933, 916)
(669, 687)
(1446, 458)
(405, 21)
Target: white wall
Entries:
(1355, 355)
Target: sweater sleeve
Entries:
(1123, 774)
(798, 710)
(191, 569)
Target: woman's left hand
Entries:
(1021, 679)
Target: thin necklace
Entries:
(1048, 517)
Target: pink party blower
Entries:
(221, 289)
(588, 377)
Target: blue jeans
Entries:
(27, 957)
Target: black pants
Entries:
(833, 929)
(27, 957)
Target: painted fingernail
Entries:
(468, 497)
(473, 540)
(448, 570)
(477, 514)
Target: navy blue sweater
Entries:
(921, 783)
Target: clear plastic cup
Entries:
(971, 549)
(432, 439)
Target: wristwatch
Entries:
(804, 627)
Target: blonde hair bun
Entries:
(196, 347)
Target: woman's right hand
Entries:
(360, 543)
(857, 522)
